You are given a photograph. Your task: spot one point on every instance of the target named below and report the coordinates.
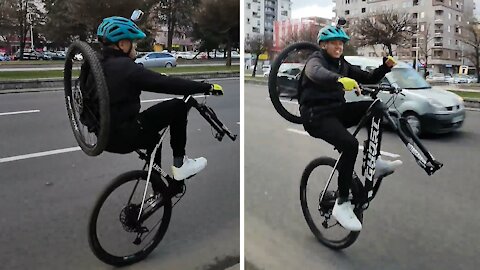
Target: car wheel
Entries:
(141, 64)
(414, 122)
(168, 65)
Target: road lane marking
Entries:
(40, 154)
(19, 112)
(301, 132)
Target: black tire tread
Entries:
(272, 79)
(352, 236)
(95, 246)
(90, 56)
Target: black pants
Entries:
(142, 133)
(332, 128)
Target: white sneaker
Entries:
(189, 168)
(385, 167)
(343, 213)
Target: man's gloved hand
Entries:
(350, 84)
(389, 61)
(215, 90)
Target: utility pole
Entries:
(29, 19)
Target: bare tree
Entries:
(424, 39)
(388, 28)
(308, 33)
(257, 45)
(471, 37)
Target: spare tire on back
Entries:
(87, 101)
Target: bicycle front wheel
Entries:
(284, 78)
(116, 236)
(319, 214)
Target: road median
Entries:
(55, 84)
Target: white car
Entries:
(428, 109)
(235, 55)
(184, 55)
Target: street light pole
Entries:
(29, 17)
(416, 51)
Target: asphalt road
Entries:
(46, 201)
(415, 222)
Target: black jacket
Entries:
(126, 80)
(319, 85)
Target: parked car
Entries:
(235, 55)
(27, 55)
(216, 54)
(45, 56)
(287, 79)
(157, 59)
(184, 55)
(472, 79)
(437, 77)
(428, 109)
(3, 58)
(58, 55)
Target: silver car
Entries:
(427, 108)
(156, 59)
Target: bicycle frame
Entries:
(404, 131)
(149, 157)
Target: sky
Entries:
(323, 8)
(307, 8)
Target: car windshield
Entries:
(407, 78)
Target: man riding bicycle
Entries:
(326, 115)
(131, 129)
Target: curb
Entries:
(469, 102)
(55, 84)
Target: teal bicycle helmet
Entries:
(114, 29)
(328, 33)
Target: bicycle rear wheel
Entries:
(88, 108)
(319, 214)
(115, 236)
(284, 78)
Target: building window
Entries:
(347, 1)
(449, 15)
(450, 2)
(459, 18)
(347, 12)
(456, 41)
(449, 28)
(285, 13)
(249, 5)
(248, 20)
(258, 23)
(415, 2)
(422, 28)
(422, 15)
(415, 15)
(364, 10)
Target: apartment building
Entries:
(442, 19)
(285, 29)
(260, 16)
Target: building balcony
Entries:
(438, 32)
(269, 11)
(438, 44)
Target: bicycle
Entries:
(89, 116)
(282, 87)
(361, 193)
(134, 213)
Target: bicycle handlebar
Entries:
(373, 90)
(211, 118)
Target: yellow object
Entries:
(392, 59)
(157, 48)
(263, 56)
(217, 89)
(463, 70)
(348, 84)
